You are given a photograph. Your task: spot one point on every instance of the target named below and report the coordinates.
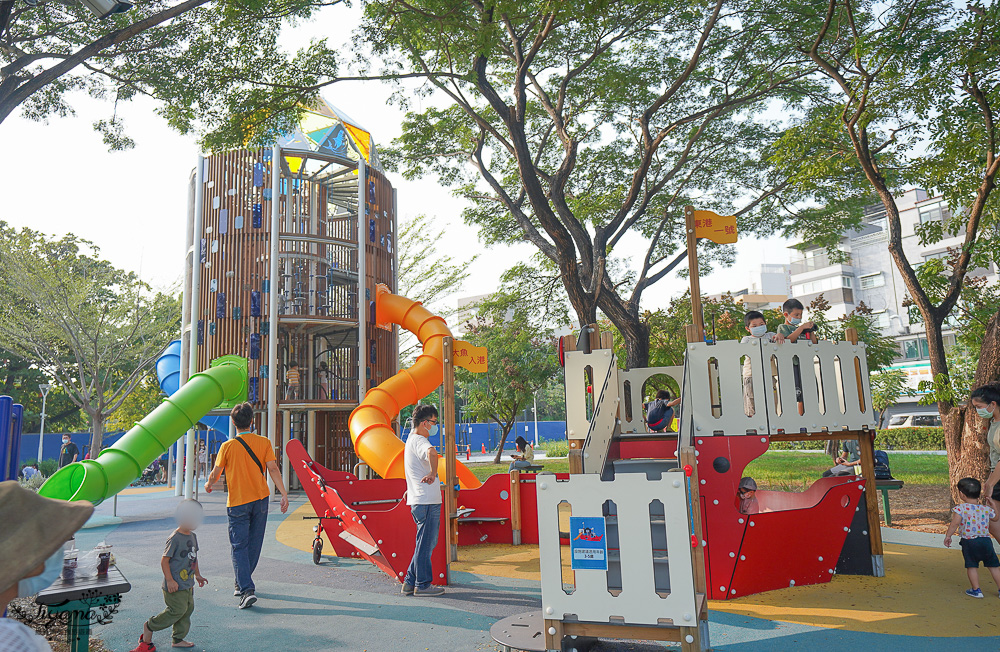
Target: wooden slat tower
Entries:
(293, 240)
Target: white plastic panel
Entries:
(636, 378)
(638, 603)
(601, 427)
(775, 404)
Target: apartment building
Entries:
(768, 288)
(863, 271)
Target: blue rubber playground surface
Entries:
(350, 605)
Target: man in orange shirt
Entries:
(244, 460)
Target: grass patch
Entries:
(787, 470)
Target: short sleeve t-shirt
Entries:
(975, 520)
(787, 329)
(244, 480)
(416, 466)
(66, 454)
(182, 552)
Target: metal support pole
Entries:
(190, 450)
(534, 411)
(44, 389)
(362, 280)
(446, 418)
(273, 283)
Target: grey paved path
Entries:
(351, 606)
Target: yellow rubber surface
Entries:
(922, 593)
(296, 532)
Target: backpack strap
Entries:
(252, 455)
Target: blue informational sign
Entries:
(588, 543)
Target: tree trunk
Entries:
(504, 431)
(964, 434)
(96, 434)
(635, 333)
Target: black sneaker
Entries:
(247, 600)
(236, 592)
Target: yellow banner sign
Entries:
(472, 358)
(720, 229)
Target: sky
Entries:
(59, 177)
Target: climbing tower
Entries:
(285, 247)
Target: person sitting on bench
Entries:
(847, 461)
(525, 456)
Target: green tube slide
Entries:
(120, 464)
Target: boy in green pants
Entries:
(180, 571)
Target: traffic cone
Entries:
(484, 448)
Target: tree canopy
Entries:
(427, 274)
(913, 88)
(521, 362)
(585, 127)
(213, 66)
(93, 328)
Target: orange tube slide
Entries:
(374, 439)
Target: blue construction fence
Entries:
(53, 443)
(480, 435)
(477, 435)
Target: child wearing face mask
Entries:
(755, 324)
(794, 329)
(31, 547)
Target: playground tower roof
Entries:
(326, 130)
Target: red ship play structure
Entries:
(668, 499)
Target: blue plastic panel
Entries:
(255, 346)
(220, 305)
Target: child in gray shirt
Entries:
(180, 571)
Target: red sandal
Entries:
(144, 646)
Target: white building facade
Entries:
(864, 271)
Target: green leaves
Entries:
(92, 328)
(521, 361)
(216, 67)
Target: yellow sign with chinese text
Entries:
(469, 357)
(720, 229)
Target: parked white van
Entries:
(927, 419)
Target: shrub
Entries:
(554, 447)
(47, 467)
(911, 439)
(900, 439)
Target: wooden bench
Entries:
(534, 468)
(885, 486)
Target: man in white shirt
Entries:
(423, 495)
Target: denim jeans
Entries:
(246, 535)
(428, 520)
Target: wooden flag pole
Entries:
(692, 244)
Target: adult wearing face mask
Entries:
(423, 495)
(31, 544)
(986, 402)
(69, 453)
